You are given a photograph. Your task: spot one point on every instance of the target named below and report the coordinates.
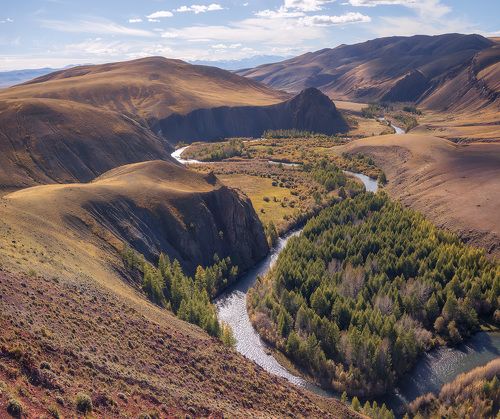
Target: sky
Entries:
(56, 33)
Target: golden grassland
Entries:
(272, 203)
(289, 189)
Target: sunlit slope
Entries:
(75, 124)
(419, 69)
(150, 88)
(48, 141)
(456, 186)
(154, 207)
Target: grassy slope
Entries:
(64, 301)
(76, 124)
(129, 356)
(454, 186)
(257, 188)
(150, 87)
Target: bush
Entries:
(227, 336)
(84, 403)
(15, 408)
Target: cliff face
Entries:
(153, 206)
(191, 228)
(311, 110)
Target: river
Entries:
(433, 369)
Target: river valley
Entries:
(433, 369)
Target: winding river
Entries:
(429, 374)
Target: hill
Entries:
(148, 88)
(422, 69)
(453, 185)
(310, 110)
(96, 337)
(75, 124)
(154, 207)
(54, 141)
(67, 339)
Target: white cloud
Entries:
(160, 14)
(373, 3)
(97, 46)
(306, 5)
(197, 8)
(322, 20)
(96, 26)
(225, 46)
(277, 32)
(8, 20)
(153, 20)
(136, 20)
(424, 8)
(278, 14)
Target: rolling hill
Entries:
(75, 124)
(153, 207)
(75, 323)
(453, 185)
(451, 71)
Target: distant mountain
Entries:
(407, 69)
(241, 64)
(11, 78)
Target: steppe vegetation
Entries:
(475, 394)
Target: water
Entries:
(371, 185)
(232, 309)
(442, 365)
(177, 156)
(432, 370)
(398, 130)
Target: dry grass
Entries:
(455, 186)
(151, 87)
(474, 394)
(462, 127)
(61, 338)
(272, 203)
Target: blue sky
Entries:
(56, 33)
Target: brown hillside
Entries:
(73, 321)
(75, 124)
(454, 185)
(62, 337)
(407, 69)
(154, 207)
(49, 141)
(149, 88)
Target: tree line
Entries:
(366, 288)
(189, 298)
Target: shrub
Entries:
(227, 336)
(15, 408)
(54, 412)
(84, 403)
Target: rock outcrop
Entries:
(310, 110)
(153, 207)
